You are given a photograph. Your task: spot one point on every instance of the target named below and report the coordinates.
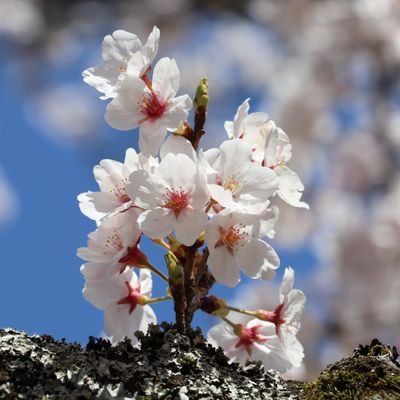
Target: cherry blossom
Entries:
(278, 151)
(112, 178)
(210, 210)
(174, 197)
(286, 317)
(113, 246)
(234, 243)
(121, 51)
(153, 107)
(238, 182)
(251, 128)
(123, 297)
(256, 340)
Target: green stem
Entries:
(162, 243)
(229, 322)
(241, 310)
(154, 269)
(158, 299)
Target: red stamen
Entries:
(249, 336)
(134, 257)
(152, 106)
(176, 201)
(132, 298)
(273, 316)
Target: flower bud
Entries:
(201, 97)
(175, 269)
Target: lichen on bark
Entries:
(173, 366)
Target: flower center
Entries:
(134, 257)
(229, 237)
(177, 200)
(232, 184)
(249, 336)
(152, 106)
(133, 297)
(275, 316)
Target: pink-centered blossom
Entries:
(237, 182)
(112, 178)
(152, 106)
(286, 317)
(122, 51)
(114, 245)
(174, 197)
(123, 298)
(234, 242)
(255, 341)
(270, 147)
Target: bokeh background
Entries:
(327, 71)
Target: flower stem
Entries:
(161, 243)
(158, 299)
(229, 322)
(154, 269)
(241, 310)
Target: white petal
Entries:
(103, 292)
(146, 189)
(178, 145)
(287, 284)
(177, 112)
(152, 134)
(166, 78)
(258, 182)
(146, 282)
(157, 223)
(120, 46)
(290, 187)
(189, 225)
(233, 129)
(93, 271)
(103, 78)
(223, 266)
(151, 46)
(255, 256)
(221, 195)
(235, 157)
(179, 171)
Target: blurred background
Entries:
(327, 71)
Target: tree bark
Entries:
(175, 366)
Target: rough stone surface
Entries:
(172, 366)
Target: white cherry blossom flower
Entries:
(278, 151)
(113, 246)
(238, 182)
(286, 317)
(154, 108)
(256, 341)
(174, 197)
(234, 243)
(121, 51)
(251, 128)
(270, 147)
(123, 298)
(112, 178)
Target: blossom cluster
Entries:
(211, 210)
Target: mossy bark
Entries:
(174, 366)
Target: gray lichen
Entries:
(171, 366)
